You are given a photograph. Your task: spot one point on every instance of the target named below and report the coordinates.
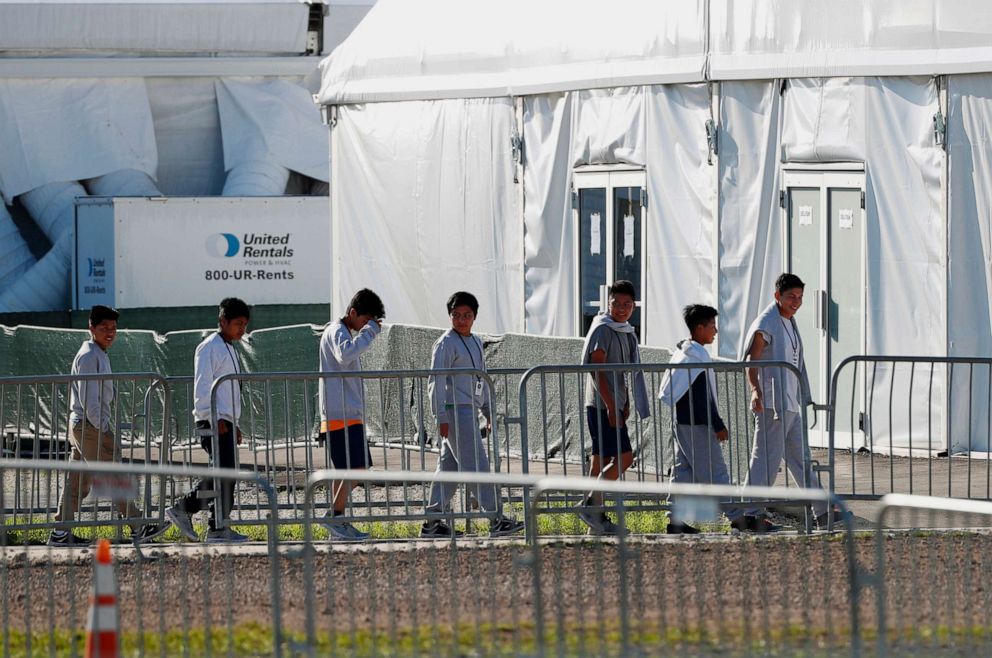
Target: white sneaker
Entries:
(183, 521)
(226, 536)
(342, 530)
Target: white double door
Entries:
(825, 247)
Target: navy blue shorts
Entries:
(349, 449)
(606, 441)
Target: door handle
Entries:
(820, 309)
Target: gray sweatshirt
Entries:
(462, 391)
(91, 399)
(779, 386)
(343, 398)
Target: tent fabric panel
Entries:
(752, 39)
(751, 231)
(823, 120)
(402, 51)
(272, 120)
(431, 208)
(969, 277)
(681, 209)
(216, 26)
(549, 231)
(67, 130)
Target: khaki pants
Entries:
(89, 445)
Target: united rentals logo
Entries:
(223, 245)
(256, 245)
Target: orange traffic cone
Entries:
(104, 620)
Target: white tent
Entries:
(467, 137)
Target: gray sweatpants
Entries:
(774, 439)
(463, 451)
(698, 459)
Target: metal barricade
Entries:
(470, 597)
(35, 419)
(556, 434)
(712, 595)
(916, 425)
(283, 443)
(932, 588)
(173, 598)
(564, 593)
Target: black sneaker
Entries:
(438, 530)
(758, 524)
(66, 538)
(149, 532)
(505, 526)
(681, 529)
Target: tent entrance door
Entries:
(825, 247)
(610, 207)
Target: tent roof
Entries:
(423, 49)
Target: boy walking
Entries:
(342, 400)
(92, 437)
(215, 357)
(699, 429)
(611, 339)
(456, 401)
(777, 399)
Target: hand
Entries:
(240, 436)
(756, 405)
(442, 429)
(722, 435)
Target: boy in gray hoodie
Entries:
(456, 401)
(611, 339)
(777, 399)
(342, 400)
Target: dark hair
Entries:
(622, 287)
(366, 302)
(231, 308)
(787, 281)
(99, 313)
(462, 298)
(698, 314)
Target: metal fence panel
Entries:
(174, 597)
(930, 593)
(915, 425)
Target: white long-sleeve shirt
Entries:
(91, 399)
(215, 358)
(343, 398)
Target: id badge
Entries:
(478, 388)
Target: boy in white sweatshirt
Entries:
(699, 429)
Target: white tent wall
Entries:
(430, 208)
(751, 231)
(969, 326)
(887, 123)
(549, 231)
(656, 127)
(681, 209)
(906, 240)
